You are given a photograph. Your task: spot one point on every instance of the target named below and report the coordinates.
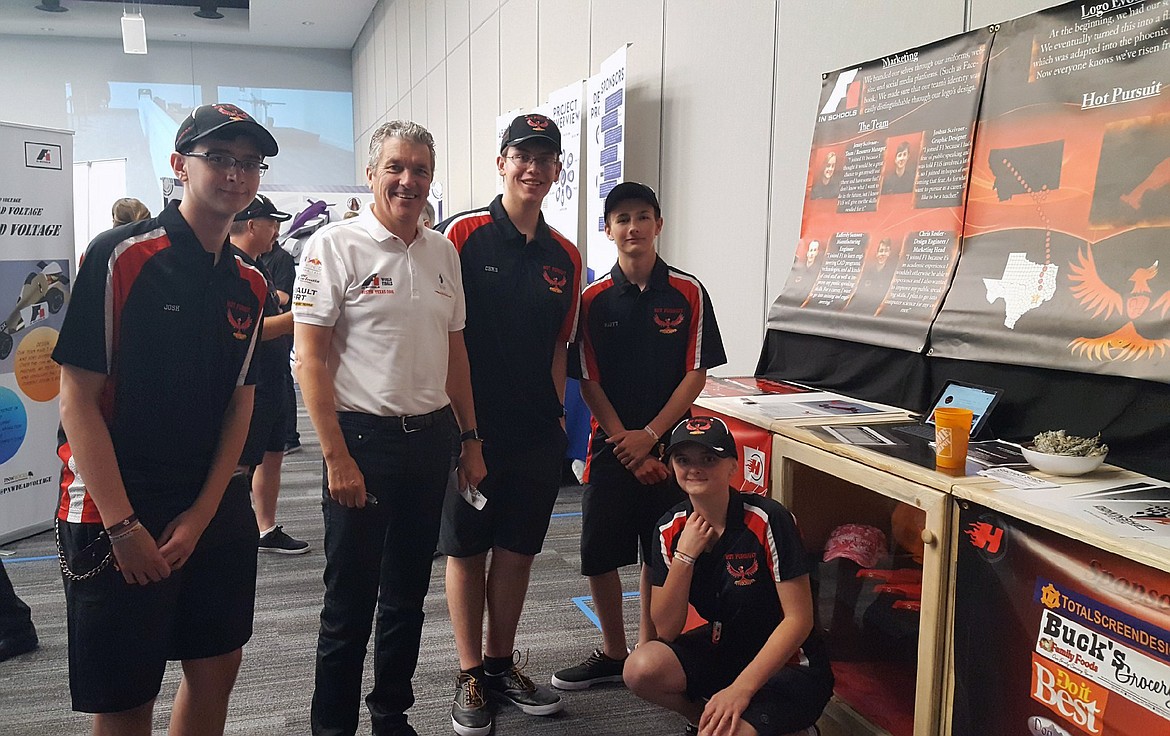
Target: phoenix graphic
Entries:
(742, 576)
(239, 325)
(668, 325)
(1126, 342)
(555, 284)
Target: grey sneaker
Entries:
(470, 715)
(518, 689)
(282, 544)
(595, 670)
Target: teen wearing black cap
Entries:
(523, 285)
(757, 667)
(646, 339)
(254, 233)
(155, 527)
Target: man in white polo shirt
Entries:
(379, 312)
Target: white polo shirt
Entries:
(391, 308)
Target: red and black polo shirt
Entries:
(174, 330)
(734, 584)
(522, 302)
(640, 344)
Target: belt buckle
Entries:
(406, 427)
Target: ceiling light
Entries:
(52, 6)
(133, 33)
(209, 10)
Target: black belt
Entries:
(406, 424)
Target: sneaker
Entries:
(470, 715)
(518, 689)
(282, 544)
(595, 670)
(292, 447)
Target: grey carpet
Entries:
(276, 679)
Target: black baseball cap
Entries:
(631, 190)
(529, 128)
(262, 207)
(207, 119)
(710, 432)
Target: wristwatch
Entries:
(471, 434)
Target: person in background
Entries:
(427, 218)
(127, 210)
(379, 313)
(155, 528)
(757, 667)
(646, 339)
(17, 633)
(282, 267)
(254, 233)
(523, 284)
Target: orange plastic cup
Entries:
(952, 429)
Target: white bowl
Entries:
(1063, 464)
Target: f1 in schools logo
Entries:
(847, 90)
(42, 155)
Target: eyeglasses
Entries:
(223, 162)
(541, 162)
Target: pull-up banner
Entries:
(1068, 214)
(883, 209)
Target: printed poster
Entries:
(606, 150)
(1054, 637)
(562, 206)
(1068, 210)
(883, 213)
(36, 243)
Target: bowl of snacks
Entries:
(1065, 454)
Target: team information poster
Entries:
(884, 197)
(1053, 636)
(1068, 213)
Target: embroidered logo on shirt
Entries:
(668, 320)
(239, 316)
(742, 575)
(376, 284)
(556, 279)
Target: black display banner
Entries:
(1053, 637)
(1068, 210)
(884, 201)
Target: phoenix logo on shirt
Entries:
(668, 320)
(239, 323)
(375, 284)
(742, 575)
(556, 279)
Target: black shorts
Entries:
(268, 428)
(121, 635)
(791, 700)
(521, 488)
(619, 515)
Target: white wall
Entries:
(90, 86)
(721, 101)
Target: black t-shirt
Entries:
(522, 303)
(174, 329)
(638, 345)
(734, 584)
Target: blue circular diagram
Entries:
(13, 424)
